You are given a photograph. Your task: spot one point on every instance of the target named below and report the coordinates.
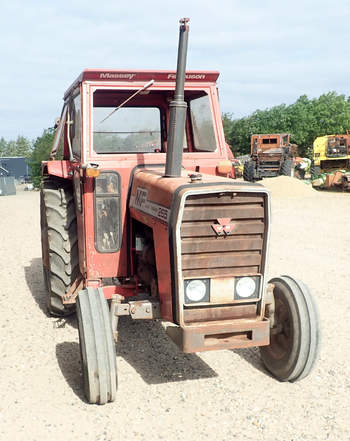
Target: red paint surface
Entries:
(95, 265)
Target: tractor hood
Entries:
(153, 194)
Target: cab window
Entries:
(75, 126)
(285, 140)
(269, 141)
(127, 130)
(202, 124)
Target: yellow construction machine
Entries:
(331, 161)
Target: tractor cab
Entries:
(338, 146)
(110, 115)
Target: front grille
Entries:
(204, 254)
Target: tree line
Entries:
(21, 146)
(34, 150)
(304, 120)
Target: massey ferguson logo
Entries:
(141, 197)
(223, 226)
(117, 76)
(188, 77)
(140, 202)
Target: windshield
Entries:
(143, 125)
(129, 130)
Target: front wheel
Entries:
(295, 336)
(97, 347)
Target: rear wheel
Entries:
(295, 337)
(286, 167)
(97, 348)
(59, 243)
(249, 171)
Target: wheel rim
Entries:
(282, 334)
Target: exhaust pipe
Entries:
(178, 109)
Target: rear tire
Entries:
(59, 243)
(97, 347)
(295, 344)
(286, 167)
(249, 171)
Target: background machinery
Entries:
(270, 155)
(331, 161)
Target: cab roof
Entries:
(135, 75)
(266, 135)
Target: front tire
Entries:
(97, 347)
(59, 243)
(295, 338)
(249, 171)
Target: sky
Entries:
(268, 52)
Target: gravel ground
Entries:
(164, 394)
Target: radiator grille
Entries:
(203, 253)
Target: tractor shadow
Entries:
(35, 281)
(252, 356)
(146, 347)
(68, 359)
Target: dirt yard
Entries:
(163, 394)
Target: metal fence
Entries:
(7, 185)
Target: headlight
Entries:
(196, 290)
(245, 288)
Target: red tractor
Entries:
(141, 218)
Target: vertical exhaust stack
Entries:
(178, 108)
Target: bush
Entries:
(41, 152)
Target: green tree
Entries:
(41, 152)
(3, 147)
(239, 138)
(23, 147)
(19, 147)
(305, 120)
(227, 123)
(11, 148)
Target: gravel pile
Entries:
(164, 394)
(287, 187)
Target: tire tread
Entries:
(97, 346)
(59, 224)
(286, 167)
